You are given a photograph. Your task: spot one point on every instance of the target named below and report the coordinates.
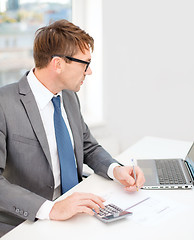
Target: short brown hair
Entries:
(61, 38)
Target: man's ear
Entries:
(56, 64)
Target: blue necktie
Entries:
(68, 168)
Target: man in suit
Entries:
(30, 164)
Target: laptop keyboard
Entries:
(169, 172)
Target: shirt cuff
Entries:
(44, 210)
(110, 170)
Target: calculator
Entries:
(111, 213)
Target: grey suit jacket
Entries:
(26, 177)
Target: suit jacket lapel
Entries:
(29, 103)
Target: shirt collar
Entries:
(42, 95)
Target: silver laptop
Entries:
(169, 173)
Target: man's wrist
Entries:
(44, 210)
(111, 170)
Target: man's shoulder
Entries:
(8, 89)
(12, 88)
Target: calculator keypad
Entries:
(111, 213)
(109, 210)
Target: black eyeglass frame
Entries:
(74, 60)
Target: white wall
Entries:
(88, 15)
(148, 69)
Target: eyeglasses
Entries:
(74, 60)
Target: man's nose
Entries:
(88, 71)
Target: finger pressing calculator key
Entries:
(111, 213)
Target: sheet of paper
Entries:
(123, 198)
(153, 210)
(147, 210)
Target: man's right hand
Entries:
(74, 204)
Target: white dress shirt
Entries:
(43, 99)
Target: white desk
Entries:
(178, 226)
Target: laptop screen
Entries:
(190, 159)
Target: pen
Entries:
(134, 173)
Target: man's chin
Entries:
(77, 89)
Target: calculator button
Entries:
(116, 214)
